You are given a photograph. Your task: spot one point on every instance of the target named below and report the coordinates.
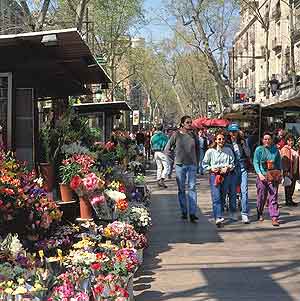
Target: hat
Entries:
(234, 127)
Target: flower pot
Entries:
(85, 208)
(66, 192)
(47, 172)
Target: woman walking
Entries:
(242, 158)
(290, 167)
(219, 162)
(186, 146)
(267, 165)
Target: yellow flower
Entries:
(21, 281)
(20, 290)
(8, 291)
(38, 286)
(107, 232)
(9, 283)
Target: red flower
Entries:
(75, 182)
(96, 266)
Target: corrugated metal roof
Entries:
(59, 70)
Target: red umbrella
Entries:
(216, 122)
(198, 123)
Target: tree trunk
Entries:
(80, 14)
(212, 64)
(42, 16)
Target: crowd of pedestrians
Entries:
(227, 156)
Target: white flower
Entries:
(115, 195)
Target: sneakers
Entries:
(184, 216)
(219, 220)
(233, 216)
(245, 219)
(193, 218)
(161, 183)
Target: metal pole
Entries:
(259, 122)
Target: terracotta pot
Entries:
(47, 172)
(85, 208)
(66, 192)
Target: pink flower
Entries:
(98, 200)
(90, 182)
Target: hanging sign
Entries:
(135, 117)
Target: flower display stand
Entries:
(130, 289)
(70, 210)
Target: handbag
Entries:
(273, 175)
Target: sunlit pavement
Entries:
(199, 262)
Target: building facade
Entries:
(249, 63)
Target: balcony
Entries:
(276, 12)
(262, 86)
(276, 44)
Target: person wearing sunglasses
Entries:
(267, 165)
(185, 144)
(219, 162)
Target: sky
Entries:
(156, 30)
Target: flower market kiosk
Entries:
(45, 254)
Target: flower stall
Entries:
(46, 257)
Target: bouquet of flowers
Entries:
(110, 287)
(139, 218)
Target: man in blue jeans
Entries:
(185, 143)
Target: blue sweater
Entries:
(159, 141)
(262, 155)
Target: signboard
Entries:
(135, 117)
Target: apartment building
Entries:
(11, 17)
(248, 59)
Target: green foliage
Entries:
(67, 172)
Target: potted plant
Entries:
(46, 164)
(67, 172)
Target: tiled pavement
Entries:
(197, 262)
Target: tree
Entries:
(207, 33)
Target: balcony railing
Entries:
(276, 13)
(276, 44)
(251, 64)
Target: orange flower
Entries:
(122, 205)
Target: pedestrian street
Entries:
(199, 262)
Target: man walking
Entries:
(186, 146)
(158, 143)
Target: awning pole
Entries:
(259, 123)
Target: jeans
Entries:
(189, 172)
(267, 190)
(201, 157)
(162, 163)
(218, 194)
(241, 178)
